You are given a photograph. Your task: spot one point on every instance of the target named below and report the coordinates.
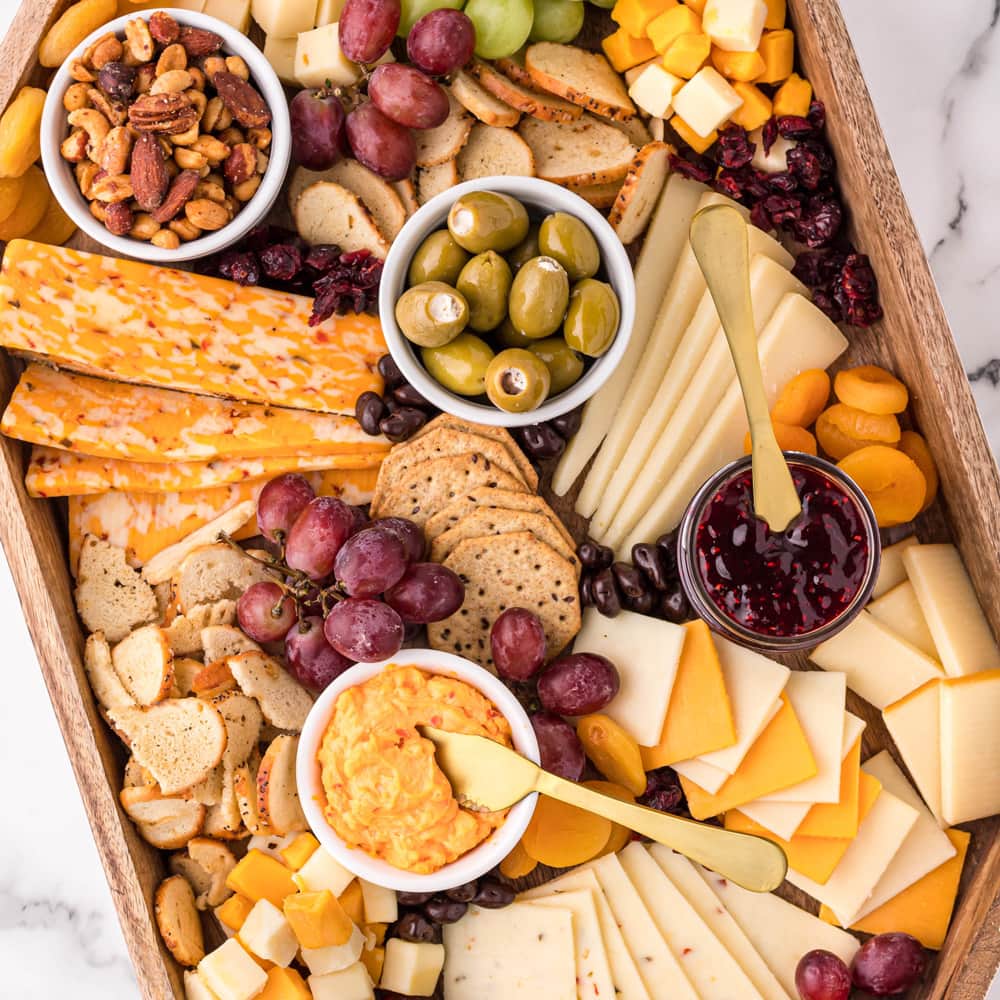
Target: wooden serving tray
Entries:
(914, 340)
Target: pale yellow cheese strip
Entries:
(158, 326)
(114, 420)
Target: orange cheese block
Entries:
(924, 909)
(56, 473)
(778, 759)
(699, 717)
(114, 420)
(814, 857)
(158, 326)
(841, 818)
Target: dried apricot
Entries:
(791, 437)
(842, 429)
(612, 751)
(620, 835)
(30, 209)
(871, 389)
(72, 28)
(892, 481)
(913, 444)
(55, 228)
(561, 835)
(803, 398)
(11, 189)
(518, 863)
(20, 132)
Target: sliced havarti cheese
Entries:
(653, 90)
(891, 571)
(707, 101)
(914, 723)
(735, 25)
(901, 611)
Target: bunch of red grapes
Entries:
(347, 589)
(400, 97)
(886, 965)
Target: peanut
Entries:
(165, 239)
(172, 57)
(85, 172)
(198, 76)
(245, 191)
(187, 138)
(231, 136)
(76, 97)
(107, 50)
(185, 229)
(198, 99)
(90, 50)
(211, 113)
(174, 81)
(112, 188)
(189, 159)
(144, 78)
(74, 146)
(99, 211)
(114, 152)
(206, 214)
(210, 190)
(211, 148)
(80, 73)
(144, 227)
(72, 27)
(238, 67)
(139, 40)
(259, 137)
(212, 65)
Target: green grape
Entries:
(557, 20)
(413, 10)
(502, 26)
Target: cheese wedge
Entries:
(900, 610)
(666, 238)
(114, 420)
(179, 330)
(962, 635)
(914, 723)
(892, 572)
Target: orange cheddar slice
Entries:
(699, 717)
(924, 909)
(114, 420)
(158, 326)
(778, 759)
(838, 819)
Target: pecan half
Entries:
(199, 41)
(178, 196)
(166, 114)
(150, 179)
(164, 28)
(242, 99)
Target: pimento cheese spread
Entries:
(385, 793)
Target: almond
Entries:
(166, 114)
(199, 41)
(241, 164)
(242, 99)
(178, 196)
(150, 179)
(164, 28)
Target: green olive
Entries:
(517, 381)
(509, 337)
(567, 239)
(438, 258)
(524, 251)
(564, 364)
(485, 220)
(592, 318)
(485, 283)
(538, 297)
(460, 366)
(431, 314)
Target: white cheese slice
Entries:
(593, 971)
(881, 666)
(798, 337)
(891, 571)
(707, 101)
(879, 837)
(666, 238)
(781, 932)
(962, 635)
(900, 610)
(284, 18)
(646, 652)
(719, 920)
(518, 952)
(914, 723)
(735, 25)
(713, 972)
(926, 847)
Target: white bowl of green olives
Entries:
(507, 301)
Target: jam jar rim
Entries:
(694, 586)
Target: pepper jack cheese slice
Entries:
(158, 326)
(115, 420)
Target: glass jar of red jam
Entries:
(784, 590)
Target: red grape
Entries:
(426, 593)
(888, 964)
(265, 612)
(360, 520)
(367, 28)
(318, 138)
(312, 661)
(381, 144)
(821, 975)
(364, 630)
(370, 562)
(559, 747)
(517, 642)
(441, 41)
(410, 534)
(317, 535)
(407, 96)
(280, 503)
(578, 684)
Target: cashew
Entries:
(94, 124)
(80, 73)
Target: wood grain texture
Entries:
(914, 340)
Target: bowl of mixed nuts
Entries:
(165, 135)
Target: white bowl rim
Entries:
(59, 174)
(553, 198)
(474, 863)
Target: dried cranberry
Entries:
(782, 183)
(760, 218)
(795, 127)
(350, 285)
(856, 292)
(769, 134)
(265, 235)
(281, 262)
(824, 301)
(817, 115)
(783, 208)
(735, 149)
(730, 184)
(663, 791)
(701, 171)
(243, 268)
(805, 166)
(820, 222)
(323, 257)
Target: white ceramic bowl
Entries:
(540, 198)
(474, 863)
(62, 180)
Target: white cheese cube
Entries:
(735, 25)
(322, 872)
(284, 18)
(235, 13)
(412, 967)
(334, 957)
(271, 845)
(633, 74)
(706, 101)
(280, 53)
(328, 11)
(380, 904)
(775, 161)
(352, 983)
(195, 988)
(318, 59)
(654, 89)
(269, 935)
(231, 974)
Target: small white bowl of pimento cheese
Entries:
(369, 784)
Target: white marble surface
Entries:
(934, 71)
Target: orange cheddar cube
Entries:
(741, 66)
(687, 55)
(625, 51)
(670, 25)
(234, 911)
(776, 14)
(777, 49)
(285, 984)
(756, 107)
(353, 902)
(633, 16)
(259, 876)
(298, 852)
(793, 97)
(698, 143)
(698, 6)
(317, 919)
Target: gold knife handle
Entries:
(752, 862)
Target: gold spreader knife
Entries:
(488, 777)
(719, 241)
